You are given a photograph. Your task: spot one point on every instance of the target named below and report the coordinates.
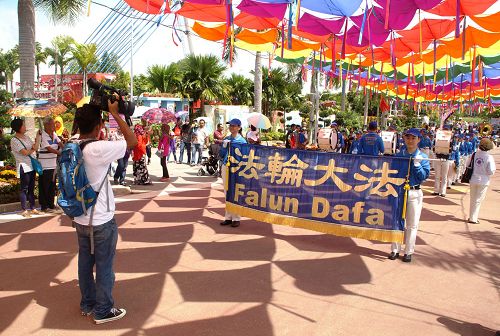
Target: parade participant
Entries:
(484, 168)
(164, 150)
(234, 138)
(462, 150)
(141, 174)
(23, 148)
(371, 143)
(419, 172)
(50, 149)
(354, 148)
(441, 168)
(96, 292)
(425, 143)
(454, 165)
(253, 136)
(340, 142)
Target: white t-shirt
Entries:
(47, 159)
(484, 168)
(201, 135)
(97, 157)
(254, 135)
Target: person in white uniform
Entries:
(419, 172)
(484, 168)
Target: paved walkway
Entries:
(178, 272)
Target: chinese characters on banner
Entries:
(346, 195)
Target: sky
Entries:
(159, 49)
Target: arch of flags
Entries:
(433, 51)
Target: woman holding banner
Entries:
(235, 138)
(419, 172)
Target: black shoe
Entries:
(235, 223)
(407, 258)
(453, 183)
(226, 222)
(113, 315)
(448, 187)
(393, 256)
(442, 195)
(435, 194)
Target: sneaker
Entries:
(26, 214)
(393, 256)
(407, 258)
(113, 315)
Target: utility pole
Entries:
(188, 33)
(132, 60)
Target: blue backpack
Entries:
(76, 194)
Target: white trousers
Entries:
(462, 166)
(477, 195)
(413, 211)
(441, 176)
(229, 215)
(452, 173)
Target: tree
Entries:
(203, 78)
(165, 78)
(64, 46)
(141, 84)
(40, 58)
(108, 62)
(65, 11)
(11, 59)
(240, 89)
(274, 85)
(85, 56)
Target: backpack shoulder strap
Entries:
(85, 142)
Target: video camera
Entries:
(101, 93)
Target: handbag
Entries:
(468, 171)
(37, 166)
(159, 153)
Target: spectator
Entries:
(122, 164)
(50, 149)
(141, 174)
(218, 135)
(22, 148)
(199, 141)
(253, 136)
(185, 142)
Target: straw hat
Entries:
(485, 144)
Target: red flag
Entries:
(384, 107)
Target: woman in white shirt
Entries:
(484, 168)
(23, 147)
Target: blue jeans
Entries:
(196, 148)
(27, 193)
(121, 169)
(187, 146)
(96, 295)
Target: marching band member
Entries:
(462, 150)
(455, 165)
(441, 169)
(419, 172)
(425, 143)
(371, 143)
(340, 142)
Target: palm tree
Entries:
(64, 46)
(65, 11)
(257, 90)
(202, 77)
(40, 57)
(274, 89)
(240, 89)
(12, 60)
(165, 78)
(85, 56)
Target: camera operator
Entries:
(96, 294)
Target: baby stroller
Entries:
(210, 165)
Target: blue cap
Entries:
(235, 122)
(372, 124)
(334, 124)
(413, 131)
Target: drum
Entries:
(443, 142)
(327, 139)
(390, 140)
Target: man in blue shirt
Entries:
(354, 149)
(425, 143)
(419, 172)
(371, 143)
(234, 138)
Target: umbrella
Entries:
(181, 113)
(37, 109)
(158, 115)
(84, 100)
(259, 120)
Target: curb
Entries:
(118, 190)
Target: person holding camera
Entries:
(96, 293)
